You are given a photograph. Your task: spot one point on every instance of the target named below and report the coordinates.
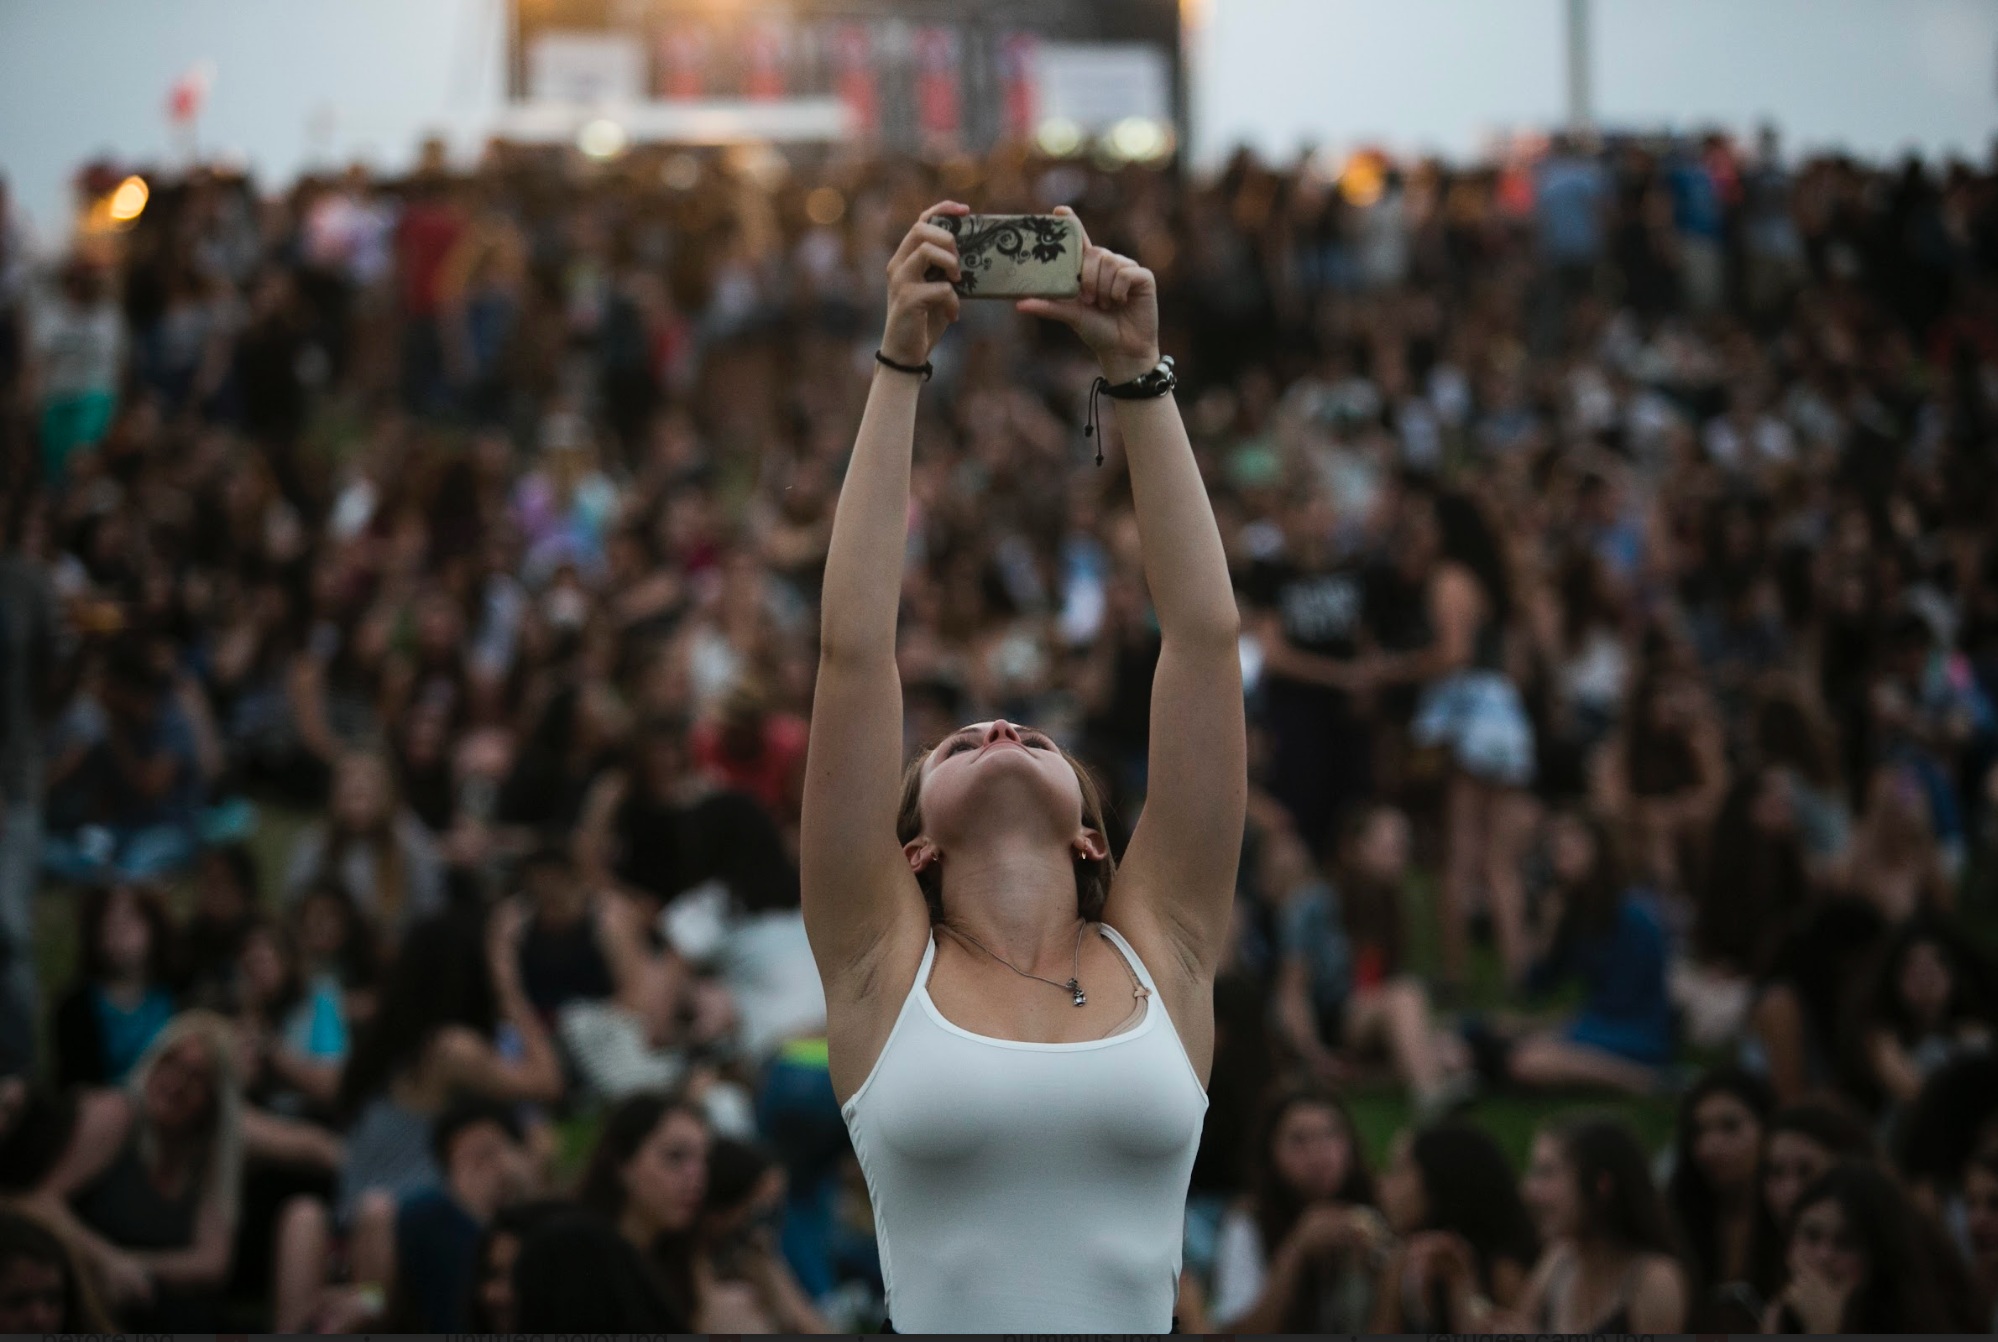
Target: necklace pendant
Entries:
(1080, 996)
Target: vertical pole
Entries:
(1581, 115)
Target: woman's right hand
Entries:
(921, 309)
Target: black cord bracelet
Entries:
(926, 369)
(1145, 387)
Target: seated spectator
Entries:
(1733, 1248)
(1340, 979)
(1608, 1265)
(42, 1289)
(293, 1033)
(562, 959)
(1467, 1243)
(746, 1286)
(1299, 1254)
(646, 1180)
(121, 1000)
(1591, 926)
(750, 747)
(337, 947)
(149, 1188)
(1980, 1198)
(126, 776)
(492, 1307)
(1925, 1004)
(577, 1274)
(226, 896)
(478, 1146)
(1854, 1262)
(371, 848)
(1666, 772)
(1800, 1143)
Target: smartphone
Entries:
(1014, 255)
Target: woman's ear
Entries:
(922, 854)
(1090, 846)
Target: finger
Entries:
(917, 237)
(1106, 278)
(1080, 231)
(916, 268)
(1066, 310)
(1129, 277)
(935, 294)
(1092, 265)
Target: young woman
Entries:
(121, 1000)
(149, 1188)
(372, 848)
(1801, 1142)
(1593, 928)
(739, 1268)
(1299, 1255)
(1857, 1264)
(42, 1289)
(1467, 1242)
(1609, 1265)
(1733, 1249)
(647, 1179)
(1925, 1005)
(1018, 1043)
(293, 1031)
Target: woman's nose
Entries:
(1001, 730)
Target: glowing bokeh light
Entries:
(128, 202)
(602, 139)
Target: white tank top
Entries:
(1028, 1188)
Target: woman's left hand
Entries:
(1116, 313)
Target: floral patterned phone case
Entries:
(1015, 255)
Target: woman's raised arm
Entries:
(854, 881)
(1178, 873)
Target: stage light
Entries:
(602, 139)
(1058, 137)
(128, 202)
(825, 206)
(1138, 139)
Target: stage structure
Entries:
(927, 76)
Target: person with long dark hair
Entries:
(123, 995)
(1800, 1143)
(646, 1179)
(1856, 1264)
(1925, 1004)
(1020, 1027)
(1733, 1250)
(1299, 1254)
(1467, 1241)
(42, 1287)
(1610, 1264)
(371, 847)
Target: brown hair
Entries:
(1092, 875)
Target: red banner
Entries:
(1019, 89)
(763, 61)
(853, 61)
(939, 106)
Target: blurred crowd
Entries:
(408, 621)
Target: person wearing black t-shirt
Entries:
(1309, 613)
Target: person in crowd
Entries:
(293, 1033)
(1465, 1240)
(1610, 1264)
(493, 1307)
(562, 955)
(743, 1280)
(1667, 773)
(1300, 1253)
(1926, 1003)
(227, 895)
(985, 879)
(123, 996)
(337, 948)
(375, 851)
(1854, 1262)
(478, 1146)
(1732, 1244)
(1593, 927)
(1980, 1198)
(149, 1188)
(42, 1287)
(577, 1273)
(646, 1179)
(1803, 1140)
(30, 625)
(1341, 981)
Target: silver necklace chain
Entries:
(1073, 985)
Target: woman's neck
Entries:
(639, 1230)
(1017, 899)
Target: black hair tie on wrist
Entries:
(1146, 386)
(926, 369)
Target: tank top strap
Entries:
(1130, 954)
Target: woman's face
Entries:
(180, 1090)
(1551, 1191)
(360, 793)
(126, 938)
(1823, 1242)
(990, 768)
(322, 929)
(1404, 1200)
(261, 965)
(1980, 1205)
(1792, 1164)
(1571, 850)
(496, 1282)
(666, 1177)
(1726, 1138)
(1924, 981)
(1312, 1151)
(33, 1294)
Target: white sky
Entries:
(301, 82)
